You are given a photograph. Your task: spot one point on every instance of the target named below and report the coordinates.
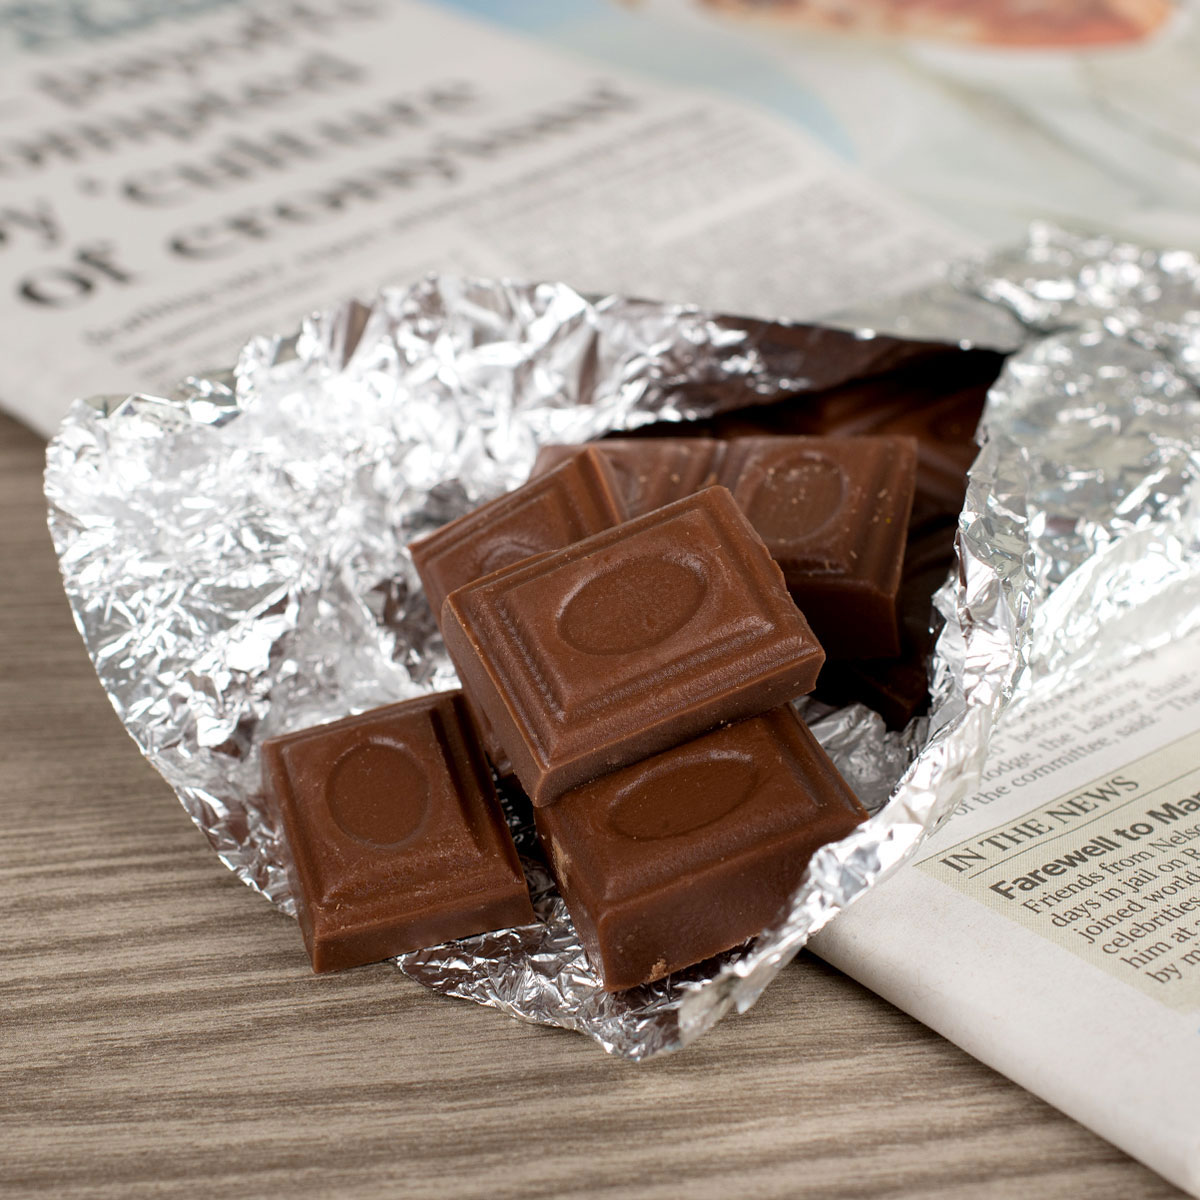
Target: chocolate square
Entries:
(834, 514)
(676, 858)
(629, 642)
(395, 835)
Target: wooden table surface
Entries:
(161, 1032)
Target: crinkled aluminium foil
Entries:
(233, 553)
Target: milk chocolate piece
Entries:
(834, 513)
(629, 642)
(578, 498)
(688, 853)
(649, 473)
(395, 837)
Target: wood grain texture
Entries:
(161, 1034)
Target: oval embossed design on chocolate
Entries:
(681, 797)
(796, 499)
(377, 793)
(632, 607)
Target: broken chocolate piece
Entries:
(834, 513)
(676, 858)
(577, 498)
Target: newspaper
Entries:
(166, 193)
(1051, 927)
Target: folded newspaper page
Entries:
(172, 185)
(1051, 927)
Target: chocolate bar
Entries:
(395, 837)
(578, 498)
(629, 642)
(676, 858)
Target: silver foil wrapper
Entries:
(234, 552)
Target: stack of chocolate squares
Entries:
(629, 627)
